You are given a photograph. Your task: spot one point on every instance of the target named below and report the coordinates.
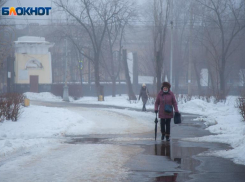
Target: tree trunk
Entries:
(211, 78)
(176, 82)
(135, 72)
(154, 86)
(113, 79)
(114, 87)
(159, 71)
(131, 94)
(80, 70)
(222, 92)
(81, 78)
(198, 79)
(97, 76)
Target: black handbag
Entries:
(168, 108)
(177, 118)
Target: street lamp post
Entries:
(65, 90)
(190, 53)
(172, 42)
(171, 54)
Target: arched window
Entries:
(34, 64)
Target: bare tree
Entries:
(2, 2)
(131, 94)
(5, 34)
(160, 17)
(181, 19)
(94, 17)
(113, 44)
(227, 16)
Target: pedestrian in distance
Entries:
(164, 105)
(144, 94)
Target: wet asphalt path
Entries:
(174, 161)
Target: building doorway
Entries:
(34, 83)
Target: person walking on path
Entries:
(165, 103)
(144, 94)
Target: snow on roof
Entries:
(31, 39)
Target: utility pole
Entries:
(89, 71)
(131, 94)
(119, 57)
(135, 71)
(81, 62)
(190, 51)
(172, 44)
(65, 91)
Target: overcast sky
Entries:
(32, 3)
(40, 2)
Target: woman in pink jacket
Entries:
(165, 103)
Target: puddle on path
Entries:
(85, 140)
(169, 154)
(164, 161)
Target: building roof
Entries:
(32, 40)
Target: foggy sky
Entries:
(31, 3)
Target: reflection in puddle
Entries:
(181, 155)
(171, 178)
(176, 165)
(162, 150)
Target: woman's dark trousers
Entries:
(144, 103)
(165, 127)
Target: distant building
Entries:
(33, 68)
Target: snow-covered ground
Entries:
(37, 140)
(109, 100)
(42, 128)
(222, 118)
(39, 125)
(36, 127)
(43, 96)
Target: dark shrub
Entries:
(241, 106)
(10, 106)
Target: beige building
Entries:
(33, 62)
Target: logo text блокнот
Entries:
(40, 11)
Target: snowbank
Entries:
(43, 96)
(109, 100)
(41, 126)
(37, 125)
(115, 101)
(224, 120)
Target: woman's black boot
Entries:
(162, 137)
